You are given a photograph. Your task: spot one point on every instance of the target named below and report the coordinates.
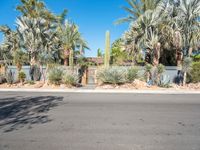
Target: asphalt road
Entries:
(42, 121)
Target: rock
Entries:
(62, 86)
(39, 85)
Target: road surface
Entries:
(59, 121)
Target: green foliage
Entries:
(36, 37)
(99, 53)
(117, 52)
(70, 79)
(20, 57)
(112, 75)
(37, 8)
(107, 50)
(148, 68)
(70, 39)
(137, 8)
(132, 74)
(162, 27)
(21, 76)
(195, 72)
(160, 69)
(196, 58)
(55, 75)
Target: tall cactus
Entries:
(107, 50)
(71, 58)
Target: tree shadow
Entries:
(18, 112)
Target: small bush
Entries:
(160, 69)
(112, 75)
(21, 76)
(148, 68)
(195, 72)
(55, 76)
(132, 74)
(70, 79)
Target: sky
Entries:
(94, 18)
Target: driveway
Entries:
(75, 121)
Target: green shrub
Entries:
(55, 76)
(70, 79)
(195, 72)
(21, 76)
(148, 68)
(132, 74)
(112, 75)
(160, 69)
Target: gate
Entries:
(91, 75)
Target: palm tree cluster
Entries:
(166, 30)
(41, 37)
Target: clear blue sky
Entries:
(93, 17)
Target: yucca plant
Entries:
(55, 76)
(70, 79)
(132, 74)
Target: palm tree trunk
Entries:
(156, 55)
(66, 61)
(179, 59)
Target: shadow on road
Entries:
(18, 112)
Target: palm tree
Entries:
(37, 9)
(19, 59)
(137, 8)
(35, 36)
(144, 34)
(70, 39)
(189, 12)
(10, 47)
(11, 39)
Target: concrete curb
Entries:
(101, 91)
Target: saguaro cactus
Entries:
(71, 58)
(107, 50)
